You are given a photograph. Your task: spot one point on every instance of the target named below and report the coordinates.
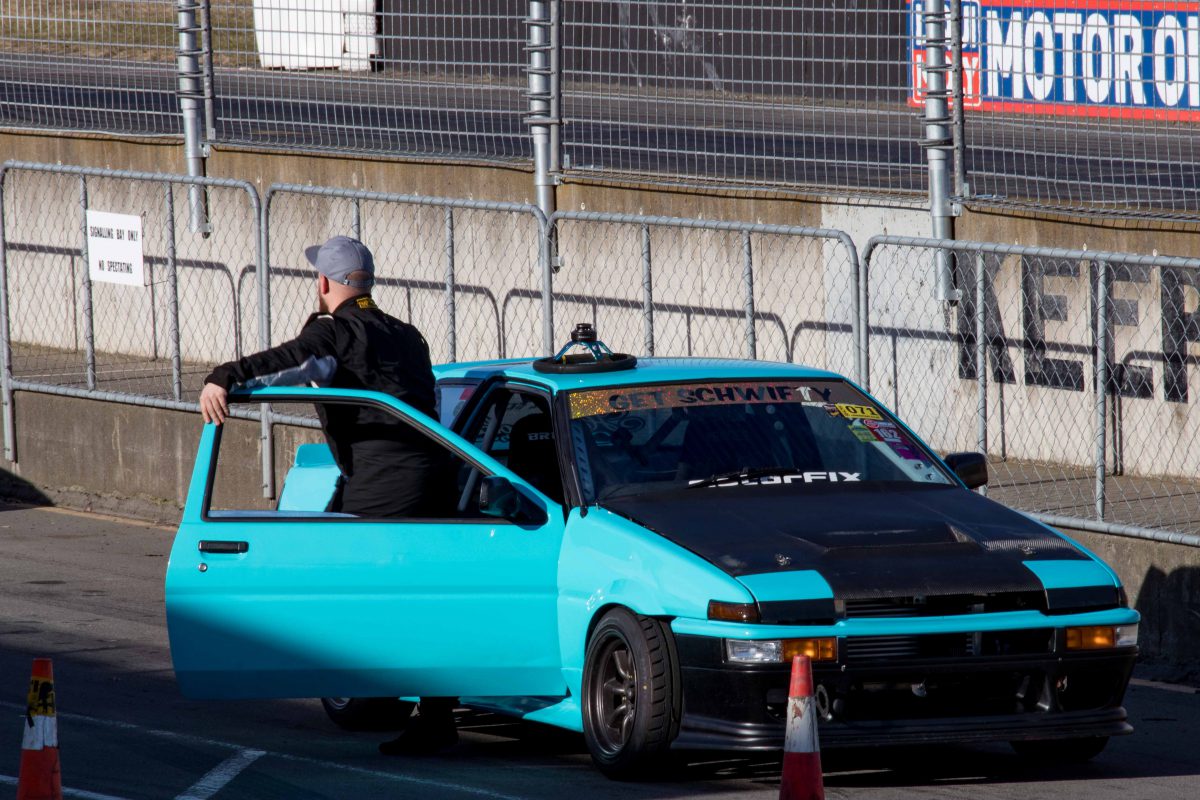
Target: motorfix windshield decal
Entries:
(798, 477)
(637, 398)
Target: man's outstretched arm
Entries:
(316, 339)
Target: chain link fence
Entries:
(417, 78)
(680, 287)
(1086, 107)
(468, 274)
(108, 294)
(1073, 370)
(787, 95)
(92, 65)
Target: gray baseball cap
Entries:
(341, 256)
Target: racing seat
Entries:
(532, 454)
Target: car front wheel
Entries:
(631, 694)
(368, 713)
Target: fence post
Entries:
(6, 393)
(1101, 387)
(936, 142)
(748, 282)
(961, 188)
(191, 96)
(647, 292)
(547, 228)
(89, 341)
(267, 431)
(451, 309)
(981, 409)
(356, 219)
(206, 45)
(543, 71)
(173, 295)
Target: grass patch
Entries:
(133, 30)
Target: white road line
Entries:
(184, 737)
(1166, 687)
(216, 778)
(80, 793)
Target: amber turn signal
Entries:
(824, 649)
(732, 612)
(1097, 637)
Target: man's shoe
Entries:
(421, 739)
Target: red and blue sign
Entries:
(1130, 59)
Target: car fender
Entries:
(609, 561)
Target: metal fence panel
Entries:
(422, 78)
(1013, 369)
(94, 65)
(450, 267)
(67, 333)
(1085, 107)
(664, 286)
(786, 95)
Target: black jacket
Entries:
(377, 453)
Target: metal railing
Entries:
(67, 329)
(1073, 370)
(1070, 369)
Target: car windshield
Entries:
(638, 439)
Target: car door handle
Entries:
(223, 546)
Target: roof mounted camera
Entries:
(590, 355)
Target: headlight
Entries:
(779, 651)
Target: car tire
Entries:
(631, 695)
(368, 713)
(1061, 751)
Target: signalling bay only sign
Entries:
(115, 248)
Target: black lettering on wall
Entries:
(993, 324)
(1036, 308)
(1127, 380)
(1180, 327)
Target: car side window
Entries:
(514, 428)
(398, 472)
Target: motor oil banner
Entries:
(1130, 59)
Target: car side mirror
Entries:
(499, 498)
(971, 468)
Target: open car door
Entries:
(306, 603)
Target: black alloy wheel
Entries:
(631, 695)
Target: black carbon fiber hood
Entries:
(867, 540)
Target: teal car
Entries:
(636, 549)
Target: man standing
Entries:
(388, 468)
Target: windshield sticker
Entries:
(798, 477)
(864, 435)
(852, 411)
(608, 401)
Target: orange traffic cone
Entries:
(801, 750)
(40, 778)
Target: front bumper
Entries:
(1048, 695)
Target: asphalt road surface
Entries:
(832, 146)
(87, 591)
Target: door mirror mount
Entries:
(971, 468)
(499, 498)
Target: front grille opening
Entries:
(865, 649)
(943, 605)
